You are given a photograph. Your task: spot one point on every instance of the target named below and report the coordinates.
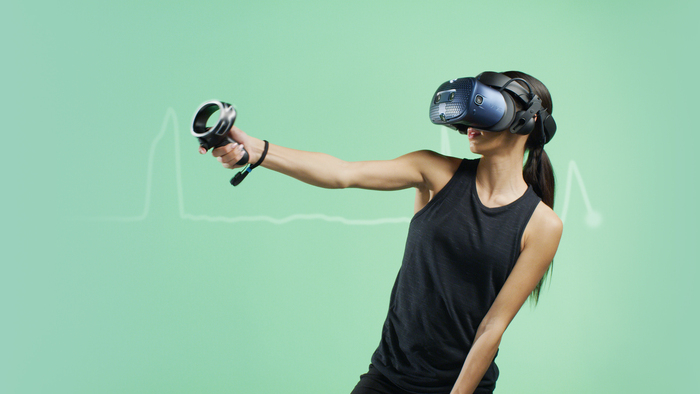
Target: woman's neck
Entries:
(499, 179)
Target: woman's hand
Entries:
(230, 154)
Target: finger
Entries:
(222, 150)
(233, 156)
(231, 159)
(202, 150)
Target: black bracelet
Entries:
(244, 173)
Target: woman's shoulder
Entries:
(543, 230)
(544, 222)
(437, 169)
(443, 162)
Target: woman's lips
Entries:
(472, 133)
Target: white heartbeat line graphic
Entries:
(593, 219)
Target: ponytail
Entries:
(538, 173)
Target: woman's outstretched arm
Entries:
(424, 170)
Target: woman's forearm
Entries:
(478, 361)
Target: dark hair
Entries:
(538, 170)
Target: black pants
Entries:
(373, 382)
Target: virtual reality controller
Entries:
(217, 135)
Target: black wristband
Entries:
(238, 178)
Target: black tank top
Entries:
(458, 255)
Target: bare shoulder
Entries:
(435, 158)
(544, 228)
(436, 169)
(546, 219)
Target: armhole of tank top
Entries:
(521, 233)
(463, 166)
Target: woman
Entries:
(481, 241)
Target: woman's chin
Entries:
(474, 147)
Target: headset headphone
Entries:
(488, 102)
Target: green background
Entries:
(130, 265)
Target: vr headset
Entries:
(488, 102)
